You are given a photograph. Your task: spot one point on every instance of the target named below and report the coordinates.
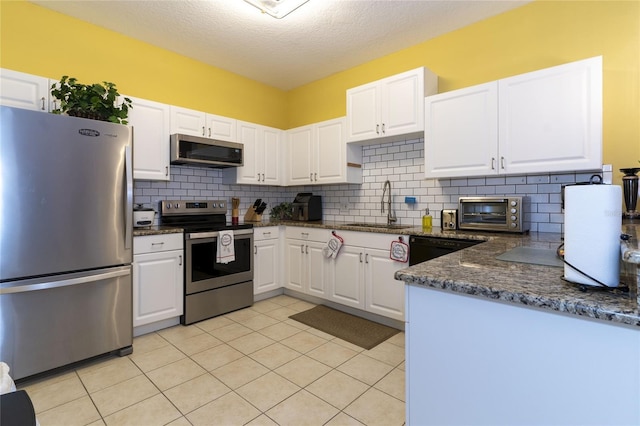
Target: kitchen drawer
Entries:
(266, 233)
(307, 234)
(157, 243)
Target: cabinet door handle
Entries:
(166, 170)
(202, 130)
(258, 177)
(263, 177)
(302, 248)
(360, 257)
(493, 163)
(366, 258)
(311, 177)
(306, 249)
(315, 175)
(180, 260)
(42, 103)
(255, 249)
(377, 128)
(209, 131)
(383, 128)
(502, 163)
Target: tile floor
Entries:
(251, 367)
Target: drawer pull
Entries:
(161, 243)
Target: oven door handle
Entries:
(200, 235)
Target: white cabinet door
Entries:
(151, 131)
(26, 91)
(330, 165)
(157, 286)
(384, 295)
(363, 112)
(296, 268)
(221, 128)
(266, 266)
(261, 156)
(300, 153)
(317, 265)
(461, 132)
(347, 277)
(188, 121)
(272, 170)
(249, 172)
(551, 120)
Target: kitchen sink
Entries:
(379, 225)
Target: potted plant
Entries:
(94, 101)
(283, 211)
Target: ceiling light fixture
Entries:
(277, 8)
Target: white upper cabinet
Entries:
(151, 131)
(26, 91)
(197, 123)
(318, 154)
(539, 122)
(391, 108)
(261, 156)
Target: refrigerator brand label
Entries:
(89, 132)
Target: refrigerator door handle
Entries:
(65, 283)
(128, 226)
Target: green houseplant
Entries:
(94, 101)
(283, 211)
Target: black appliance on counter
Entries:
(423, 248)
(211, 288)
(307, 207)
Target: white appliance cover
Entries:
(592, 227)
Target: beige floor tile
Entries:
(302, 409)
(303, 341)
(110, 373)
(249, 343)
(393, 384)
(296, 324)
(175, 373)
(96, 423)
(281, 314)
(319, 333)
(124, 394)
(156, 410)
(375, 408)
(343, 420)
(216, 357)
(279, 331)
(214, 323)
(397, 339)
(275, 355)
(240, 372)
(230, 332)
(180, 332)
(301, 306)
(337, 389)
(265, 306)
(157, 358)
(259, 322)
(332, 354)
(46, 396)
(47, 380)
(267, 391)
(195, 344)
(401, 366)
(182, 421)
(262, 420)
(148, 342)
(242, 314)
(303, 370)
(349, 345)
(196, 393)
(284, 300)
(230, 409)
(365, 369)
(387, 353)
(77, 412)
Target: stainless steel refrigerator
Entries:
(66, 192)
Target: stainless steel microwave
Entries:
(199, 151)
(503, 214)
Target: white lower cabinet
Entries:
(157, 278)
(267, 259)
(306, 265)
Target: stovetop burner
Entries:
(198, 215)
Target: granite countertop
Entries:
(476, 271)
(156, 230)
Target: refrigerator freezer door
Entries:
(65, 194)
(49, 322)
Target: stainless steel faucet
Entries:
(390, 216)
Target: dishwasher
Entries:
(422, 248)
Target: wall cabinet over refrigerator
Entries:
(151, 131)
(319, 154)
(26, 91)
(262, 156)
(391, 108)
(196, 123)
(539, 122)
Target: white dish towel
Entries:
(225, 252)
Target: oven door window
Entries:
(204, 273)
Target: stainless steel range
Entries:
(213, 285)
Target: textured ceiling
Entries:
(319, 39)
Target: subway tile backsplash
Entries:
(402, 163)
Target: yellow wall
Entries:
(537, 35)
(38, 41)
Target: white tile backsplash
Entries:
(402, 163)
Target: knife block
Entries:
(252, 216)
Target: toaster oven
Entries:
(502, 214)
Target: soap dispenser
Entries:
(427, 221)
